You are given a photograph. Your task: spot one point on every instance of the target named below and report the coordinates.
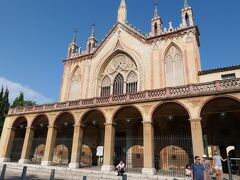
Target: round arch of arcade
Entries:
(28, 138)
(128, 133)
(220, 120)
(172, 136)
(170, 126)
(92, 123)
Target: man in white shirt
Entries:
(120, 168)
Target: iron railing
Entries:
(172, 154)
(16, 151)
(62, 151)
(37, 150)
(130, 151)
(235, 166)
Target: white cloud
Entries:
(29, 94)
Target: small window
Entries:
(187, 19)
(155, 29)
(229, 76)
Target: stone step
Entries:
(62, 173)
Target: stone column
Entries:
(7, 142)
(76, 146)
(148, 143)
(27, 145)
(49, 148)
(109, 144)
(129, 160)
(197, 137)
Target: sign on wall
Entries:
(100, 151)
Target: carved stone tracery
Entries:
(174, 67)
(120, 64)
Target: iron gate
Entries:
(16, 150)
(37, 151)
(130, 151)
(62, 151)
(172, 154)
(234, 167)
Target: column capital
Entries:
(12, 128)
(52, 127)
(29, 127)
(79, 125)
(109, 124)
(195, 120)
(147, 122)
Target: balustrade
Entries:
(171, 92)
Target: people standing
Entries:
(198, 171)
(207, 166)
(217, 164)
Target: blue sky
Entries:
(34, 35)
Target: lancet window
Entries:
(118, 85)
(132, 82)
(174, 67)
(75, 85)
(106, 86)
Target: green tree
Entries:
(4, 106)
(1, 94)
(20, 102)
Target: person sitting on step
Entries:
(120, 168)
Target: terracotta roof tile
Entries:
(222, 69)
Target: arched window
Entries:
(155, 28)
(74, 92)
(89, 47)
(174, 68)
(187, 19)
(106, 86)
(118, 76)
(132, 82)
(118, 85)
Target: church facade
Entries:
(140, 98)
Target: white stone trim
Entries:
(23, 161)
(46, 163)
(149, 171)
(4, 160)
(74, 165)
(107, 168)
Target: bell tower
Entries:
(73, 47)
(156, 22)
(187, 15)
(92, 42)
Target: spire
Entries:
(93, 31)
(156, 15)
(122, 12)
(73, 47)
(123, 3)
(186, 4)
(187, 15)
(92, 42)
(74, 37)
(156, 24)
